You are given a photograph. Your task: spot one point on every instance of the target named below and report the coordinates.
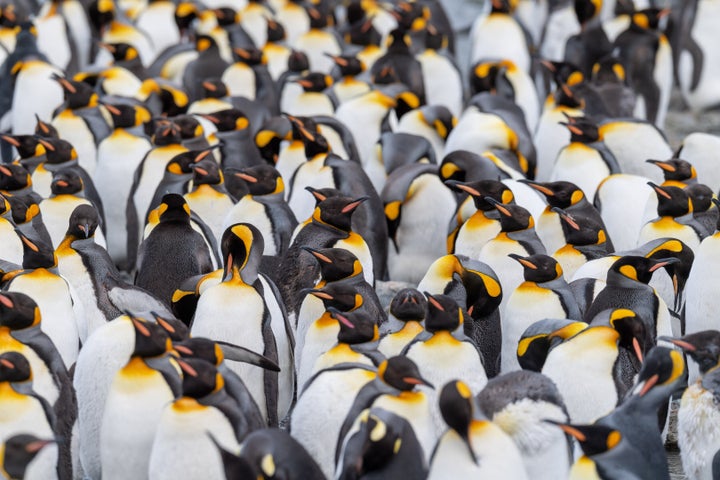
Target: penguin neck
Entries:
(442, 336)
(247, 274)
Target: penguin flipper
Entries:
(135, 299)
(237, 353)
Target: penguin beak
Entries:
(678, 342)
(647, 385)
(338, 315)
(663, 263)
(663, 165)
(246, 177)
(568, 429)
(456, 185)
(566, 217)
(539, 187)
(183, 350)
(353, 205)
(7, 363)
(523, 261)
(5, 301)
(186, 368)
(434, 302)
(498, 206)
(37, 445)
(659, 190)
(637, 349)
(10, 140)
(418, 381)
(318, 255)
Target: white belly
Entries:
(698, 432)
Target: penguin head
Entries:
(18, 311)
(672, 201)
(634, 335)
(586, 10)
(335, 211)
(701, 197)
(443, 313)
(559, 194)
(580, 230)
(228, 120)
(206, 172)
(408, 304)
(335, 263)
(8, 16)
(609, 70)
(206, 44)
(439, 118)
(36, 253)
(200, 378)
(213, 88)
(347, 65)
(261, 180)
(538, 268)
(648, 19)
(482, 189)
(20, 451)
(362, 32)
(492, 76)
(275, 31)
(27, 146)
(77, 94)
(637, 268)
(200, 347)
(14, 367)
(537, 340)
(678, 271)
(14, 176)
(703, 347)
(173, 101)
(127, 116)
(402, 373)
(663, 373)
(356, 326)
(66, 181)
(182, 163)
(338, 295)
(306, 130)
(176, 329)
(166, 133)
(379, 438)
(58, 151)
(189, 127)
(675, 169)
(226, 16)
(411, 16)
(480, 286)
(242, 248)
(151, 340)
(185, 13)
(458, 409)
(250, 56)
(23, 208)
(563, 73)
(269, 138)
(315, 82)
(318, 19)
(122, 52)
(593, 439)
(173, 208)
(83, 222)
(101, 13)
(298, 62)
(513, 217)
(582, 129)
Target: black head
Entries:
(27, 146)
(206, 43)
(23, 208)
(481, 189)
(634, 336)
(175, 328)
(649, 18)
(122, 52)
(151, 340)
(703, 347)
(199, 347)
(167, 133)
(66, 181)
(207, 172)
(44, 129)
(14, 176)
(408, 304)
(338, 295)
(298, 62)
(512, 217)
(402, 373)
(315, 82)
(58, 150)
(337, 211)
(586, 10)
(672, 201)
(270, 137)
(355, 326)
(189, 126)
(77, 94)
(36, 252)
(348, 65)
(539, 268)
(501, 6)
(375, 444)
(127, 116)
(249, 56)
(182, 163)
(559, 194)
(14, 367)
(581, 230)
(18, 311)
(457, 406)
(593, 439)
(582, 130)
(101, 13)
(335, 263)
(537, 340)
(261, 179)
(491, 76)
(228, 120)
(663, 373)
(701, 197)
(174, 208)
(443, 313)
(275, 31)
(200, 377)
(563, 73)
(675, 169)
(20, 450)
(226, 16)
(362, 32)
(638, 268)
(214, 88)
(412, 16)
(83, 222)
(609, 70)
(318, 19)
(242, 248)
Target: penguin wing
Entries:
(209, 237)
(267, 281)
(96, 123)
(129, 298)
(237, 389)
(345, 134)
(132, 221)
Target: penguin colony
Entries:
(199, 199)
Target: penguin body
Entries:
(13, 245)
(33, 76)
(499, 35)
(444, 89)
(410, 192)
(618, 199)
(519, 402)
(543, 294)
